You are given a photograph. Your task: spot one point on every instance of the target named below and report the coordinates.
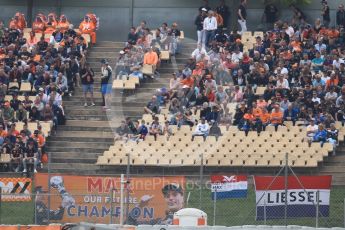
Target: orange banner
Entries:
(86, 198)
(15, 189)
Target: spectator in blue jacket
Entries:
(291, 113)
(320, 135)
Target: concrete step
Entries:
(82, 134)
(120, 115)
(87, 128)
(69, 167)
(109, 139)
(75, 144)
(92, 111)
(76, 149)
(73, 159)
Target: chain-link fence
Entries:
(153, 200)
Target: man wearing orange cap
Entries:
(63, 24)
(38, 25)
(88, 27)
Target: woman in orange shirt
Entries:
(88, 27)
(32, 39)
(38, 25)
(18, 22)
(51, 24)
(63, 24)
(276, 117)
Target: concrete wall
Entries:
(116, 16)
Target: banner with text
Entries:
(15, 189)
(88, 198)
(301, 196)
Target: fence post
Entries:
(286, 187)
(201, 179)
(265, 217)
(0, 204)
(317, 209)
(111, 205)
(121, 199)
(35, 207)
(214, 207)
(127, 184)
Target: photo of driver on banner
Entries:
(42, 214)
(173, 196)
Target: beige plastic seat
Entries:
(163, 161)
(176, 161)
(13, 85)
(212, 161)
(118, 84)
(165, 55)
(190, 161)
(260, 90)
(147, 70)
(275, 162)
(5, 158)
(311, 163)
(237, 162)
(129, 85)
(134, 79)
(25, 87)
(258, 34)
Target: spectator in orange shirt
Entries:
(38, 25)
(333, 81)
(188, 82)
(88, 27)
(18, 22)
(63, 24)
(151, 58)
(276, 116)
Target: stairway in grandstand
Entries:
(88, 131)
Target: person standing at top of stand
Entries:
(106, 73)
(326, 18)
(223, 10)
(242, 16)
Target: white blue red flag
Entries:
(224, 187)
(301, 196)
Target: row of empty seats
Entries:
(233, 148)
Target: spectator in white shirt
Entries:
(210, 26)
(311, 129)
(237, 56)
(320, 46)
(201, 129)
(315, 98)
(331, 95)
(198, 52)
(337, 61)
(282, 83)
(174, 82)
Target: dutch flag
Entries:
(225, 187)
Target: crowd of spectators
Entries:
(144, 46)
(50, 66)
(300, 65)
